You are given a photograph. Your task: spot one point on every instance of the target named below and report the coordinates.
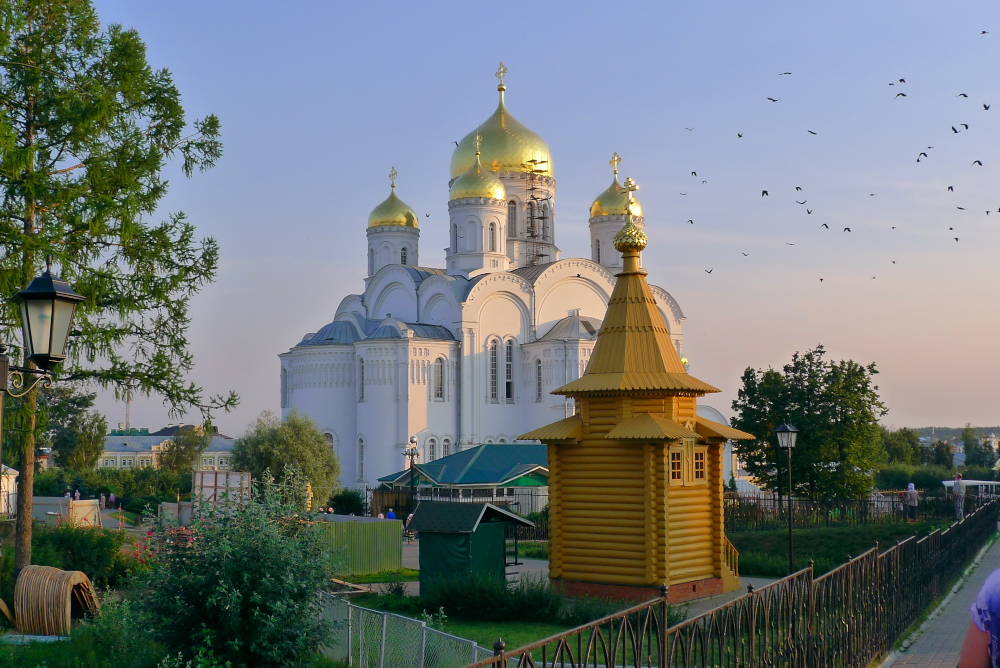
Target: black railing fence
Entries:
(848, 618)
(758, 512)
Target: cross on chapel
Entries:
(392, 177)
(615, 161)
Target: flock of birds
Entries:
(921, 156)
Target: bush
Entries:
(774, 565)
(347, 501)
(541, 518)
(97, 552)
(927, 478)
(534, 550)
(241, 581)
(123, 482)
(143, 505)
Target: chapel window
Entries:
(284, 388)
(371, 261)
(431, 449)
(446, 447)
(597, 250)
(361, 459)
(439, 379)
(512, 218)
(493, 237)
(700, 457)
(538, 379)
(508, 386)
(546, 227)
(454, 238)
(402, 255)
(361, 378)
(494, 371)
(676, 473)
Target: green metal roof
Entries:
(455, 517)
(487, 464)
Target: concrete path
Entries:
(700, 606)
(941, 641)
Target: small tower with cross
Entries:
(609, 213)
(393, 232)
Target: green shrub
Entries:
(541, 518)
(143, 505)
(97, 552)
(347, 501)
(534, 550)
(774, 565)
(241, 581)
(926, 478)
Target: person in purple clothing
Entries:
(982, 644)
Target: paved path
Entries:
(938, 646)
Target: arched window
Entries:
(446, 447)
(284, 387)
(361, 459)
(493, 238)
(597, 250)
(328, 437)
(532, 228)
(361, 378)
(402, 255)
(538, 379)
(508, 373)
(546, 225)
(439, 378)
(431, 449)
(494, 370)
(512, 218)
(454, 238)
(371, 261)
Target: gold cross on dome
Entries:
(392, 177)
(501, 72)
(630, 187)
(479, 140)
(615, 161)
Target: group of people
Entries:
(106, 501)
(911, 499)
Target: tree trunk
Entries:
(25, 486)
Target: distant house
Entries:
(128, 452)
(510, 474)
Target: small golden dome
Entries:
(630, 237)
(614, 202)
(393, 211)
(478, 182)
(507, 145)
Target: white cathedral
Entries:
(468, 353)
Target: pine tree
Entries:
(86, 128)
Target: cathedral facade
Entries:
(467, 353)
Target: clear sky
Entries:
(319, 99)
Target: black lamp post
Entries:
(48, 305)
(411, 452)
(786, 439)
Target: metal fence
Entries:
(364, 544)
(758, 512)
(372, 639)
(848, 618)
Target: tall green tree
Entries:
(902, 446)
(977, 451)
(80, 445)
(86, 128)
(184, 448)
(943, 455)
(287, 447)
(835, 406)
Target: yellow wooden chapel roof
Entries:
(649, 427)
(567, 429)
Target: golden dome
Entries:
(478, 182)
(507, 145)
(393, 211)
(630, 238)
(614, 202)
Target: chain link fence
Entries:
(372, 639)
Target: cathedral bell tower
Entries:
(393, 234)
(477, 209)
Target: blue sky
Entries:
(319, 99)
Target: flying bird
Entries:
(690, 221)
(682, 193)
(894, 262)
(986, 107)
(821, 280)
(745, 254)
(709, 271)
(811, 132)
(427, 215)
(893, 227)
(689, 129)
(454, 142)
(739, 135)
(902, 81)
(798, 187)
(977, 162)
(784, 73)
(923, 154)
(704, 181)
(694, 173)
(983, 32)
(951, 229)
(788, 244)
(964, 125)
(961, 95)
(773, 100)
(954, 130)
(956, 238)
(763, 193)
(825, 225)
(951, 189)
(847, 229)
(900, 94)
(809, 210)
(960, 208)
(802, 202)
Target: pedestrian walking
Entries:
(77, 495)
(103, 501)
(912, 500)
(982, 639)
(111, 499)
(959, 491)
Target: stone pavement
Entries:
(941, 641)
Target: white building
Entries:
(140, 452)
(467, 353)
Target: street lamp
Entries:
(786, 439)
(411, 452)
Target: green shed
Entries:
(458, 537)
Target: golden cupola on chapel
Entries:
(393, 233)
(608, 214)
(392, 210)
(507, 145)
(477, 182)
(635, 475)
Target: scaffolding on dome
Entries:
(536, 227)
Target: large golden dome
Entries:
(507, 145)
(393, 211)
(478, 182)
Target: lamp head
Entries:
(786, 435)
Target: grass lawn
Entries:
(830, 545)
(405, 575)
(515, 634)
(535, 549)
(131, 518)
